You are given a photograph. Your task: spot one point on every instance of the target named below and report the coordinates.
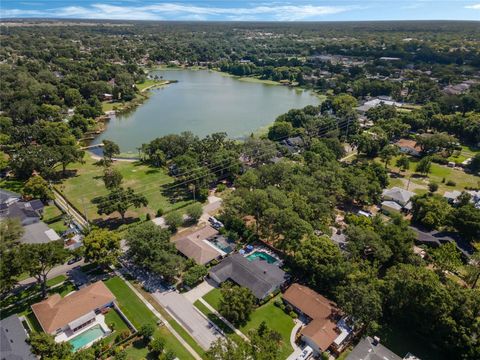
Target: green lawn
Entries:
(137, 312)
(173, 323)
(437, 174)
(12, 185)
(130, 304)
(276, 319)
(87, 184)
(213, 298)
(113, 317)
(53, 217)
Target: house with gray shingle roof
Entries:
(257, 275)
(13, 340)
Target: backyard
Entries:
(87, 184)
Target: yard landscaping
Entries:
(53, 217)
(87, 184)
(275, 318)
(213, 297)
(136, 311)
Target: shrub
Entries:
(451, 183)
(173, 220)
(146, 331)
(278, 303)
(159, 212)
(148, 217)
(432, 187)
(293, 314)
(221, 187)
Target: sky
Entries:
(247, 10)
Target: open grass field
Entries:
(439, 174)
(139, 314)
(87, 184)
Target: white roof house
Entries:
(391, 207)
(399, 195)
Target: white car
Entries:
(306, 353)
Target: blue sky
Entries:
(275, 10)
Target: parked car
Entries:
(306, 353)
(74, 260)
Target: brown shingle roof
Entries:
(323, 327)
(322, 331)
(56, 312)
(193, 246)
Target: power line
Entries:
(147, 192)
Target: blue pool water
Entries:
(262, 256)
(86, 337)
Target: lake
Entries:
(203, 102)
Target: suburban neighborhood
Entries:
(238, 190)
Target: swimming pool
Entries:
(222, 243)
(86, 337)
(262, 256)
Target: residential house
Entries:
(327, 328)
(7, 198)
(396, 200)
(436, 238)
(371, 349)
(73, 314)
(197, 247)
(362, 109)
(257, 275)
(29, 214)
(13, 340)
(409, 147)
(293, 144)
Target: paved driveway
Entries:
(199, 291)
(189, 317)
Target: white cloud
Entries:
(159, 11)
(474, 6)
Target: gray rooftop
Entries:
(259, 276)
(6, 194)
(38, 233)
(13, 338)
(367, 349)
(399, 195)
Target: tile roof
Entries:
(56, 312)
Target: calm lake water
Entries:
(203, 102)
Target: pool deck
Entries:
(69, 335)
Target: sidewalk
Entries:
(229, 324)
(159, 316)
